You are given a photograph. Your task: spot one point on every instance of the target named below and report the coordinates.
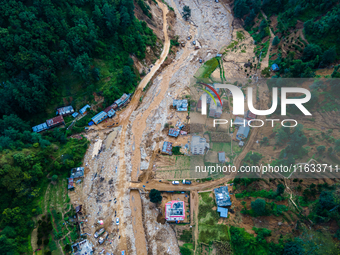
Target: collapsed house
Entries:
(222, 196)
(180, 105)
(82, 248)
(77, 172)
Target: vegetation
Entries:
(155, 196)
(186, 12)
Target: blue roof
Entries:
(75, 114)
(242, 132)
(223, 212)
(111, 113)
(167, 148)
(83, 110)
(275, 67)
(99, 117)
(174, 132)
(40, 127)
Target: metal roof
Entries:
(40, 127)
(83, 110)
(65, 110)
(221, 156)
(167, 148)
(174, 132)
(222, 196)
(75, 114)
(242, 132)
(70, 183)
(55, 121)
(77, 172)
(110, 112)
(99, 117)
(275, 67)
(223, 212)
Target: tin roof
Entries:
(174, 132)
(221, 156)
(167, 148)
(242, 132)
(77, 172)
(222, 196)
(223, 212)
(75, 114)
(40, 127)
(55, 121)
(65, 110)
(83, 110)
(99, 117)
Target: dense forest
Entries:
(40, 39)
(321, 25)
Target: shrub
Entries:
(259, 206)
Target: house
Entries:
(70, 183)
(198, 145)
(77, 172)
(215, 110)
(40, 127)
(56, 121)
(175, 211)
(222, 196)
(84, 109)
(174, 132)
(74, 115)
(221, 156)
(99, 117)
(180, 105)
(167, 148)
(123, 100)
(223, 212)
(66, 110)
(275, 68)
(110, 111)
(250, 116)
(83, 247)
(240, 122)
(213, 93)
(242, 133)
(199, 105)
(241, 144)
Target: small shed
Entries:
(275, 68)
(84, 109)
(223, 212)
(242, 132)
(99, 117)
(221, 156)
(74, 115)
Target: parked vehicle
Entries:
(99, 232)
(175, 182)
(103, 238)
(186, 182)
(117, 221)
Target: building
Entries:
(180, 105)
(167, 148)
(77, 172)
(250, 116)
(198, 145)
(174, 132)
(222, 196)
(56, 121)
(123, 100)
(66, 110)
(240, 122)
(175, 211)
(40, 127)
(209, 99)
(218, 54)
(242, 133)
(275, 68)
(84, 109)
(223, 212)
(70, 184)
(99, 117)
(74, 115)
(83, 247)
(199, 105)
(110, 111)
(221, 156)
(215, 110)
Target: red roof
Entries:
(250, 115)
(55, 121)
(107, 109)
(199, 104)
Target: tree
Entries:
(280, 189)
(276, 41)
(240, 8)
(185, 250)
(155, 196)
(310, 52)
(321, 149)
(266, 72)
(259, 206)
(293, 248)
(255, 157)
(329, 56)
(54, 178)
(186, 12)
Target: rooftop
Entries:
(82, 248)
(174, 132)
(221, 156)
(222, 196)
(70, 183)
(77, 172)
(198, 145)
(40, 127)
(180, 105)
(167, 148)
(242, 132)
(65, 110)
(174, 210)
(83, 109)
(55, 121)
(223, 212)
(99, 117)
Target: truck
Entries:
(175, 182)
(186, 182)
(103, 238)
(99, 232)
